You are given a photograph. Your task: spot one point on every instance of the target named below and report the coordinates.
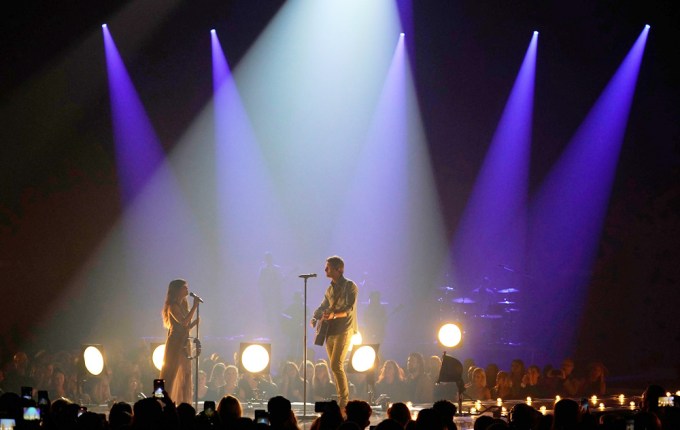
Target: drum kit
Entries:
(489, 313)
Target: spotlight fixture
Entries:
(364, 358)
(255, 357)
(452, 371)
(158, 355)
(92, 357)
(355, 340)
(450, 335)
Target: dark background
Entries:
(59, 192)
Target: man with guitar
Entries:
(337, 317)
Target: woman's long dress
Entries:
(177, 367)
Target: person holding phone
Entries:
(339, 310)
(177, 318)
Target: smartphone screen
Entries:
(27, 392)
(7, 423)
(666, 401)
(209, 407)
(43, 398)
(158, 387)
(31, 413)
(261, 417)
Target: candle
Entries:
(499, 402)
(622, 399)
(473, 411)
(632, 405)
(557, 398)
(504, 411)
(529, 401)
(543, 410)
(601, 407)
(594, 400)
(478, 405)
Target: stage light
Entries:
(104, 26)
(450, 335)
(364, 358)
(401, 35)
(93, 359)
(451, 370)
(212, 31)
(255, 357)
(158, 355)
(647, 26)
(356, 340)
(535, 33)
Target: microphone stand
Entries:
(304, 347)
(198, 352)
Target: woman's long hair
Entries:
(171, 298)
(398, 372)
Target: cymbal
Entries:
(509, 291)
(506, 302)
(464, 300)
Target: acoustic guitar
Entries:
(321, 331)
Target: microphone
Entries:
(196, 297)
(307, 275)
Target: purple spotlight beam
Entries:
(569, 210)
(138, 151)
(492, 230)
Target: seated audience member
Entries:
(532, 384)
(391, 381)
(468, 366)
(56, 387)
(359, 412)
(203, 386)
(594, 382)
(434, 363)
(517, 372)
(570, 383)
(292, 384)
(132, 391)
(217, 384)
(491, 371)
(503, 387)
(419, 385)
(477, 389)
(323, 387)
(400, 413)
